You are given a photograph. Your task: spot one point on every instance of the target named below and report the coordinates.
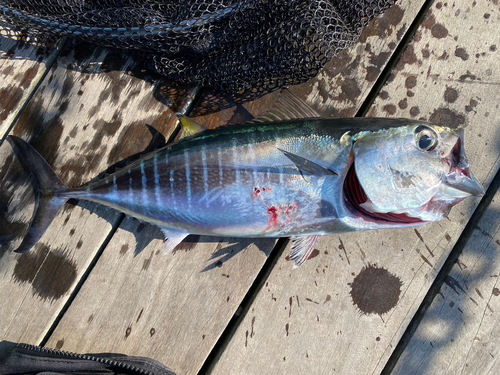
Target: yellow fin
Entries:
(189, 126)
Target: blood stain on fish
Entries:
(375, 290)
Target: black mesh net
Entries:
(233, 48)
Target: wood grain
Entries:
(22, 66)
(87, 114)
(174, 297)
(460, 331)
(345, 310)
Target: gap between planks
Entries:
(442, 275)
(268, 266)
(189, 103)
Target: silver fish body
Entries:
(295, 178)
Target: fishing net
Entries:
(238, 48)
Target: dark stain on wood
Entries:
(287, 326)
(479, 293)
(59, 344)
(495, 292)
(389, 108)
(252, 332)
(290, 301)
(447, 117)
(468, 76)
(147, 262)
(471, 106)
(408, 57)
(422, 239)
(342, 247)
(462, 53)
(375, 290)
(410, 82)
(51, 273)
(403, 104)
(313, 254)
(414, 111)
(10, 98)
(128, 331)
(140, 314)
(383, 26)
(450, 95)
(45, 135)
(152, 332)
(124, 249)
(439, 31)
(454, 284)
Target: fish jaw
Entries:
(460, 183)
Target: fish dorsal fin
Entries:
(288, 107)
(173, 238)
(302, 248)
(307, 166)
(189, 126)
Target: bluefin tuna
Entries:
(288, 178)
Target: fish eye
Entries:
(425, 138)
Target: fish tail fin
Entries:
(47, 186)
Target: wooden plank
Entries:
(345, 310)
(460, 332)
(22, 66)
(169, 308)
(85, 116)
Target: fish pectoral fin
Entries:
(189, 126)
(302, 248)
(308, 166)
(172, 238)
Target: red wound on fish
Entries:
(273, 211)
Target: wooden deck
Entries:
(414, 301)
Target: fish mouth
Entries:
(355, 195)
(460, 182)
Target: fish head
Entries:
(410, 174)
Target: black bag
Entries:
(23, 359)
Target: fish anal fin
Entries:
(288, 107)
(173, 238)
(308, 166)
(302, 248)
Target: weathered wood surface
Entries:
(22, 66)
(175, 308)
(82, 119)
(346, 309)
(460, 332)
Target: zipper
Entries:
(70, 355)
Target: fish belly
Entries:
(244, 191)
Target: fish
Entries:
(277, 176)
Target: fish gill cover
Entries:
(237, 49)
